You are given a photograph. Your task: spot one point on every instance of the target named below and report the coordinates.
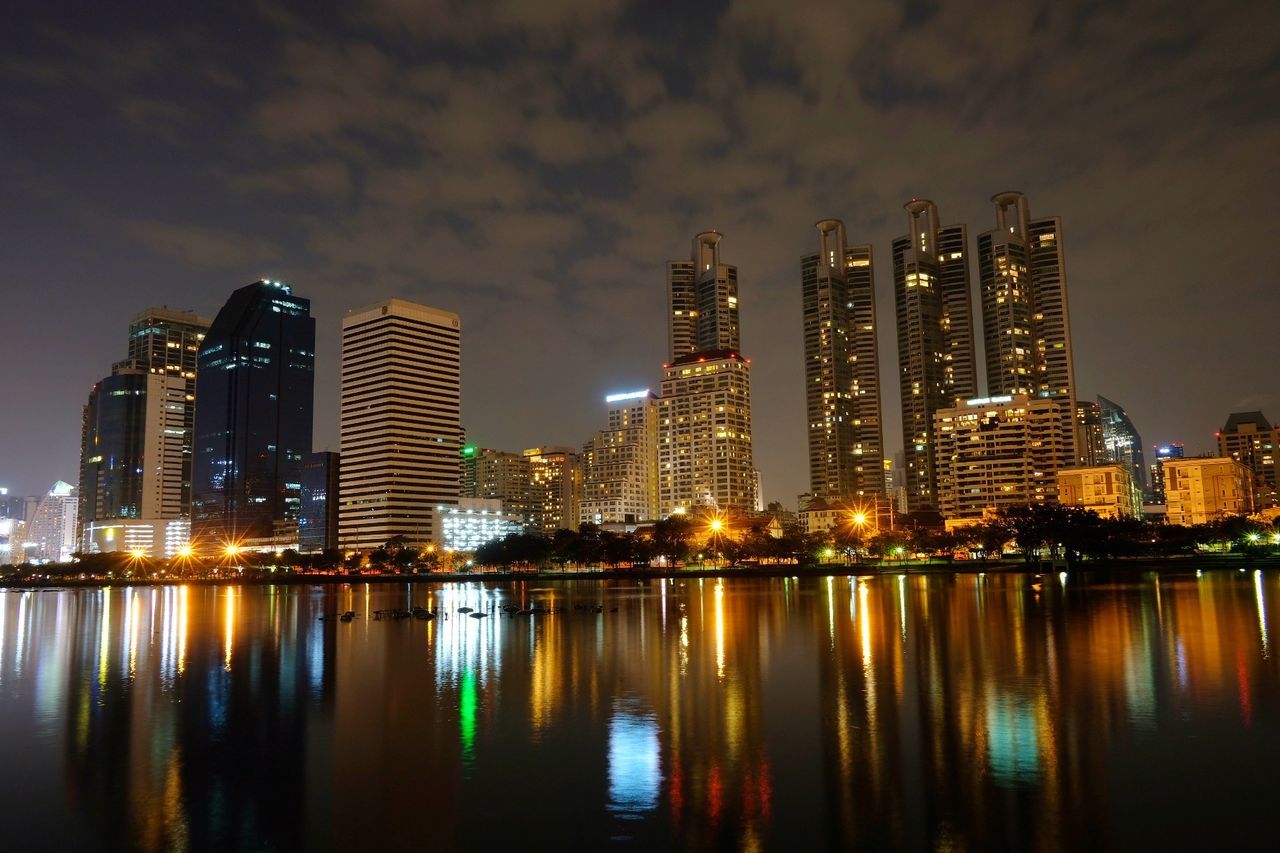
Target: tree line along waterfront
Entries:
(1014, 536)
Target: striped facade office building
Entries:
(400, 431)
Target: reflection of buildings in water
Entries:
(183, 734)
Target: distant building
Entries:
(1108, 490)
(498, 475)
(1163, 453)
(52, 529)
(1002, 451)
(1121, 441)
(555, 488)
(255, 385)
(820, 516)
(147, 537)
(399, 424)
(1090, 448)
(1249, 438)
(470, 523)
(842, 373)
(318, 514)
(936, 363)
(1204, 489)
(620, 463)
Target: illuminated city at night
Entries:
(607, 424)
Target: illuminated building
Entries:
(1163, 452)
(555, 488)
(147, 537)
(620, 463)
(166, 342)
(255, 386)
(936, 364)
(704, 431)
(1090, 448)
(842, 374)
(497, 474)
(51, 531)
(318, 513)
(1001, 451)
(1205, 489)
(472, 522)
(1120, 440)
(704, 451)
(1026, 328)
(1250, 439)
(132, 448)
(1108, 490)
(399, 423)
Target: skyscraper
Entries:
(1026, 328)
(1249, 438)
(1090, 449)
(401, 392)
(53, 525)
(1163, 453)
(318, 513)
(936, 365)
(842, 376)
(166, 342)
(620, 463)
(255, 385)
(489, 474)
(555, 488)
(1121, 441)
(704, 451)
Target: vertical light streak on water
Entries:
(104, 637)
(902, 606)
(182, 629)
(467, 702)
(663, 589)
(831, 613)
(684, 644)
(719, 592)
(20, 641)
(1262, 612)
(135, 620)
(868, 671)
(4, 610)
(166, 636)
(635, 769)
(230, 635)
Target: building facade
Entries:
(145, 537)
(1002, 451)
(1163, 453)
(51, 530)
(470, 523)
(399, 422)
(1249, 438)
(498, 475)
(936, 364)
(555, 488)
(318, 513)
(842, 373)
(620, 463)
(1120, 440)
(255, 384)
(1204, 489)
(1090, 448)
(1108, 490)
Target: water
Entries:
(940, 712)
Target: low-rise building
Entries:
(1204, 489)
(1108, 490)
(142, 537)
(472, 522)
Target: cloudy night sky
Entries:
(532, 166)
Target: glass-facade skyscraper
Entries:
(255, 386)
(318, 515)
(1121, 441)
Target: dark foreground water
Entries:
(940, 712)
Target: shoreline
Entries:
(1172, 565)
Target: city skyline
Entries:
(576, 218)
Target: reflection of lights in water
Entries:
(1262, 610)
(104, 637)
(1013, 743)
(1062, 578)
(467, 701)
(182, 628)
(684, 643)
(231, 624)
(20, 641)
(635, 772)
(720, 629)
(831, 612)
(663, 588)
(902, 605)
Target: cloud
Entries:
(203, 246)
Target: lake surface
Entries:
(917, 711)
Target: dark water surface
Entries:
(918, 712)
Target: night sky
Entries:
(533, 165)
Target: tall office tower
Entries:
(1121, 442)
(703, 300)
(555, 488)
(1090, 449)
(620, 463)
(704, 432)
(1163, 453)
(497, 475)
(132, 449)
(318, 513)
(255, 384)
(401, 391)
(1001, 451)
(53, 525)
(166, 342)
(1251, 440)
(842, 372)
(936, 366)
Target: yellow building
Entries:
(1205, 489)
(1108, 490)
